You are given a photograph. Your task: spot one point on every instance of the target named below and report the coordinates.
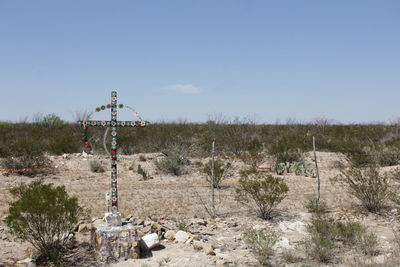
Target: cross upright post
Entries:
(114, 124)
(114, 185)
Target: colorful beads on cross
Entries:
(114, 186)
(85, 139)
(103, 107)
(116, 123)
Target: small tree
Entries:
(265, 191)
(220, 170)
(44, 216)
(367, 185)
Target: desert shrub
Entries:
(368, 243)
(260, 191)
(173, 163)
(383, 155)
(319, 247)
(361, 156)
(142, 158)
(220, 170)
(32, 165)
(142, 172)
(324, 226)
(261, 244)
(44, 216)
(326, 235)
(350, 232)
(347, 232)
(367, 185)
(358, 157)
(316, 207)
(96, 166)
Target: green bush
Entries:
(367, 185)
(220, 171)
(327, 235)
(316, 207)
(319, 247)
(383, 155)
(350, 232)
(142, 172)
(173, 163)
(44, 216)
(96, 166)
(261, 244)
(261, 192)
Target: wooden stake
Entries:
(213, 178)
(316, 166)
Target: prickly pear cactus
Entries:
(298, 168)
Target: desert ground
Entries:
(178, 202)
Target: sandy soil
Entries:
(181, 198)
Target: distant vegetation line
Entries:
(361, 142)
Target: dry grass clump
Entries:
(173, 163)
(261, 243)
(96, 166)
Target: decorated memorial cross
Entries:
(114, 124)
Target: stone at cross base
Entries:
(114, 241)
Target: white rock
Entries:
(259, 227)
(98, 223)
(181, 236)
(197, 245)
(199, 222)
(208, 249)
(170, 235)
(28, 262)
(283, 242)
(221, 263)
(151, 240)
(224, 256)
(296, 226)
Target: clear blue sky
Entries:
(187, 59)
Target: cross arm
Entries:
(114, 123)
